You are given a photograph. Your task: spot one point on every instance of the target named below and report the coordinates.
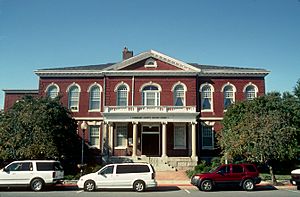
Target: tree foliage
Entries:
(38, 128)
(262, 130)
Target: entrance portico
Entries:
(161, 132)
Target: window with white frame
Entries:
(95, 98)
(207, 137)
(73, 97)
(179, 137)
(94, 132)
(150, 63)
(52, 91)
(151, 96)
(228, 96)
(122, 95)
(250, 92)
(179, 96)
(206, 97)
(121, 136)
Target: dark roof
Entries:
(88, 67)
(103, 66)
(222, 67)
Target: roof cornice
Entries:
(154, 54)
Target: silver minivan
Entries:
(33, 173)
(138, 176)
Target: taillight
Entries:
(53, 174)
(153, 175)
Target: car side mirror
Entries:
(219, 172)
(102, 174)
(6, 170)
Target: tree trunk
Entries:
(273, 178)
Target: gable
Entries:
(163, 62)
(157, 66)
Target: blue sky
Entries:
(36, 34)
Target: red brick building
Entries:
(150, 105)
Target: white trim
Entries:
(226, 84)
(154, 54)
(68, 91)
(184, 147)
(52, 84)
(212, 97)
(211, 118)
(95, 84)
(250, 84)
(89, 118)
(150, 60)
(150, 84)
(121, 83)
(73, 84)
(179, 83)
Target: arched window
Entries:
(228, 96)
(73, 97)
(95, 98)
(179, 95)
(122, 95)
(250, 92)
(52, 91)
(206, 97)
(151, 95)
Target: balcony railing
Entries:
(150, 109)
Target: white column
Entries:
(134, 139)
(111, 137)
(164, 139)
(104, 139)
(193, 139)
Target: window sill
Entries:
(93, 110)
(120, 147)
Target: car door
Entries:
(105, 177)
(17, 173)
(237, 173)
(222, 175)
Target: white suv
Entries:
(33, 173)
(138, 176)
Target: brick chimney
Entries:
(127, 54)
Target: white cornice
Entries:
(154, 54)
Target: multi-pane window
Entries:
(179, 96)
(179, 137)
(206, 98)
(122, 96)
(250, 92)
(95, 98)
(52, 91)
(121, 132)
(73, 98)
(151, 96)
(94, 132)
(207, 137)
(228, 96)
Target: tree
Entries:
(260, 130)
(38, 128)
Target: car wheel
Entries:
(206, 185)
(139, 186)
(37, 184)
(248, 185)
(89, 186)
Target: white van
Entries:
(33, 173)
(138, 176)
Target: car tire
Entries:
(139, 186)
(248, 185)
(206, 185)
(89, 186)
(37, 184)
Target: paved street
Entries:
(171, 191)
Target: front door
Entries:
(150, 141)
